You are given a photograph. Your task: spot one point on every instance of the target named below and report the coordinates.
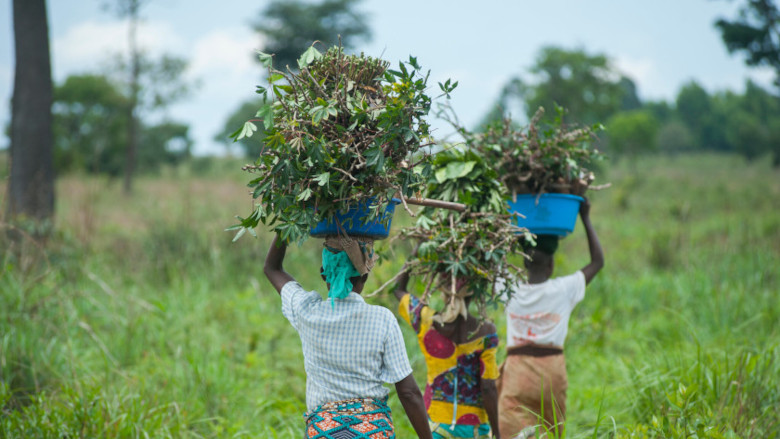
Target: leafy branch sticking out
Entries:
(473, 246)
(344, 129)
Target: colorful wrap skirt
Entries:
(357, 418)
(444, 431)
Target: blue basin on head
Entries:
(548, 214)
(352, 222)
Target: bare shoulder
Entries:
(483, 328)
(488, 328)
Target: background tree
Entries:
(730, 122)
(587, 86)
(756, 33)
(150, 84)
(90, 125)
(90, 134)
(749, 137)
(167, 143)
(289, 27)
(774, 141)
(752, 124)
(510, 98)
(249, 146)
(662, 110)
(632, 133)
(674, 137)
(695, 108)
(630, 98)
(31, 186)
(131, 10)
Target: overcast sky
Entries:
(660, 44)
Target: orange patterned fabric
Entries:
(351, 419)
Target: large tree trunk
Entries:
(31, 188)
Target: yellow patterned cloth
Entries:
(444, 431)
(453, 394)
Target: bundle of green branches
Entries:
(470, 247)
(344, 130)
(539, 159)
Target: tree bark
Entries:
(31, 187)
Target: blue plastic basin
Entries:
(351, 222)
(551, 214)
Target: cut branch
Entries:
(458, 207)
(394, 278)
(345, 173)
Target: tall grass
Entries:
(140, 318)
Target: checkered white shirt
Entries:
(349, 349)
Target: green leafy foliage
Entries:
(90, 127)
(463, 176)
(702, 395)
(248, 146)
(755, 33)
(342, 131)
(469, 248)
(586, 84)
(539, 158)
(632, 132)
(748, 124)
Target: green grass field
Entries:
(140, 318)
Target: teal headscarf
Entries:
(337, 269)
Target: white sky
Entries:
(660, 44)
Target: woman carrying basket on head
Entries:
(350, 348)
(460, 355)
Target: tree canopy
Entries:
(90, 129)
(756, 33)
(89, 125)
(289, 27)
(632, 132)
(587, 86)
(148, 84)
(748, 124)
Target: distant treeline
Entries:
(90, 117)
(592, 91)
(747, 123)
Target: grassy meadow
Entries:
(139, 318)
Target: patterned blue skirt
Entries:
(359, 418)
